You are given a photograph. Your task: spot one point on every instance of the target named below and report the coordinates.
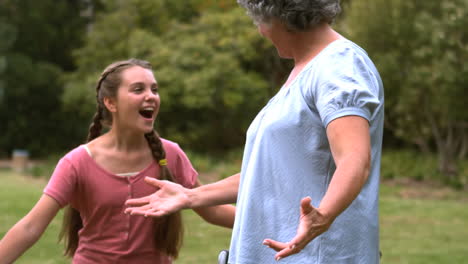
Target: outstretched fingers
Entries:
(275, 245)
(285, 249)
(169, 197)
(146, 210)
(306, 206)
(155, 182)
(140, 210)
(147, 199)
(138, 201)
(311, 225)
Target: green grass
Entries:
(419, 224)
(423, 230)
(203, 241)
(18, 195)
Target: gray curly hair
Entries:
(297, 15)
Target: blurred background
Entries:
(215, 73)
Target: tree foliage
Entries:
(214, 70)
(420, 49)
(37, 39)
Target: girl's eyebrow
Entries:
(142, 83)
(136, 84)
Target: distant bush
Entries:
(396, 164)
(45, 168)
(220, 166)
(417, 166)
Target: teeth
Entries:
(148, 108)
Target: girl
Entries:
(95, 179)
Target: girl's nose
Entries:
(150, 95)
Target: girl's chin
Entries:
(145, 129)
(148, 129)
(148, 126)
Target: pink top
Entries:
(108, 235)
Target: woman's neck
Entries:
(307, 45)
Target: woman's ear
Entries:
(110, 104)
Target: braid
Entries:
(155, 144)
(96, 126)
(169, 231)
(158, 152)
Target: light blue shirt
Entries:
(287, 157)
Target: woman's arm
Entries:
(222, 215)
(220, 192)
(28, 230)
(171, 197)
(350, 145)
(349, 139)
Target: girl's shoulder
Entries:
(76, 155)
(174, 153)
(171, 146)
(179, 164)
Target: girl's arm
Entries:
(28, 230)
(222, 215)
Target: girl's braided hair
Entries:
(168, 230)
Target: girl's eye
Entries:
(138, 89)
(154, 89)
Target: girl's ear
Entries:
(110, 104)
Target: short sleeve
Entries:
(351, 89)
(180, 165)
(62, 183)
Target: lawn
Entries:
(420, 223)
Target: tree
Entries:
(420, 49)
(108, 40)
(37, 38)
(214, 70)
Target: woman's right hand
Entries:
(169, 198)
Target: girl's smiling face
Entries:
(137, 102)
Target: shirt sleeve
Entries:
(349, 88)
(181, 167)
(62, 183)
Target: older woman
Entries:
(308, 186)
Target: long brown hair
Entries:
(168, 230)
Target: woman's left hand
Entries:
(311, 224)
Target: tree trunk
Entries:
(446, 142)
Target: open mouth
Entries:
(147, 112)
